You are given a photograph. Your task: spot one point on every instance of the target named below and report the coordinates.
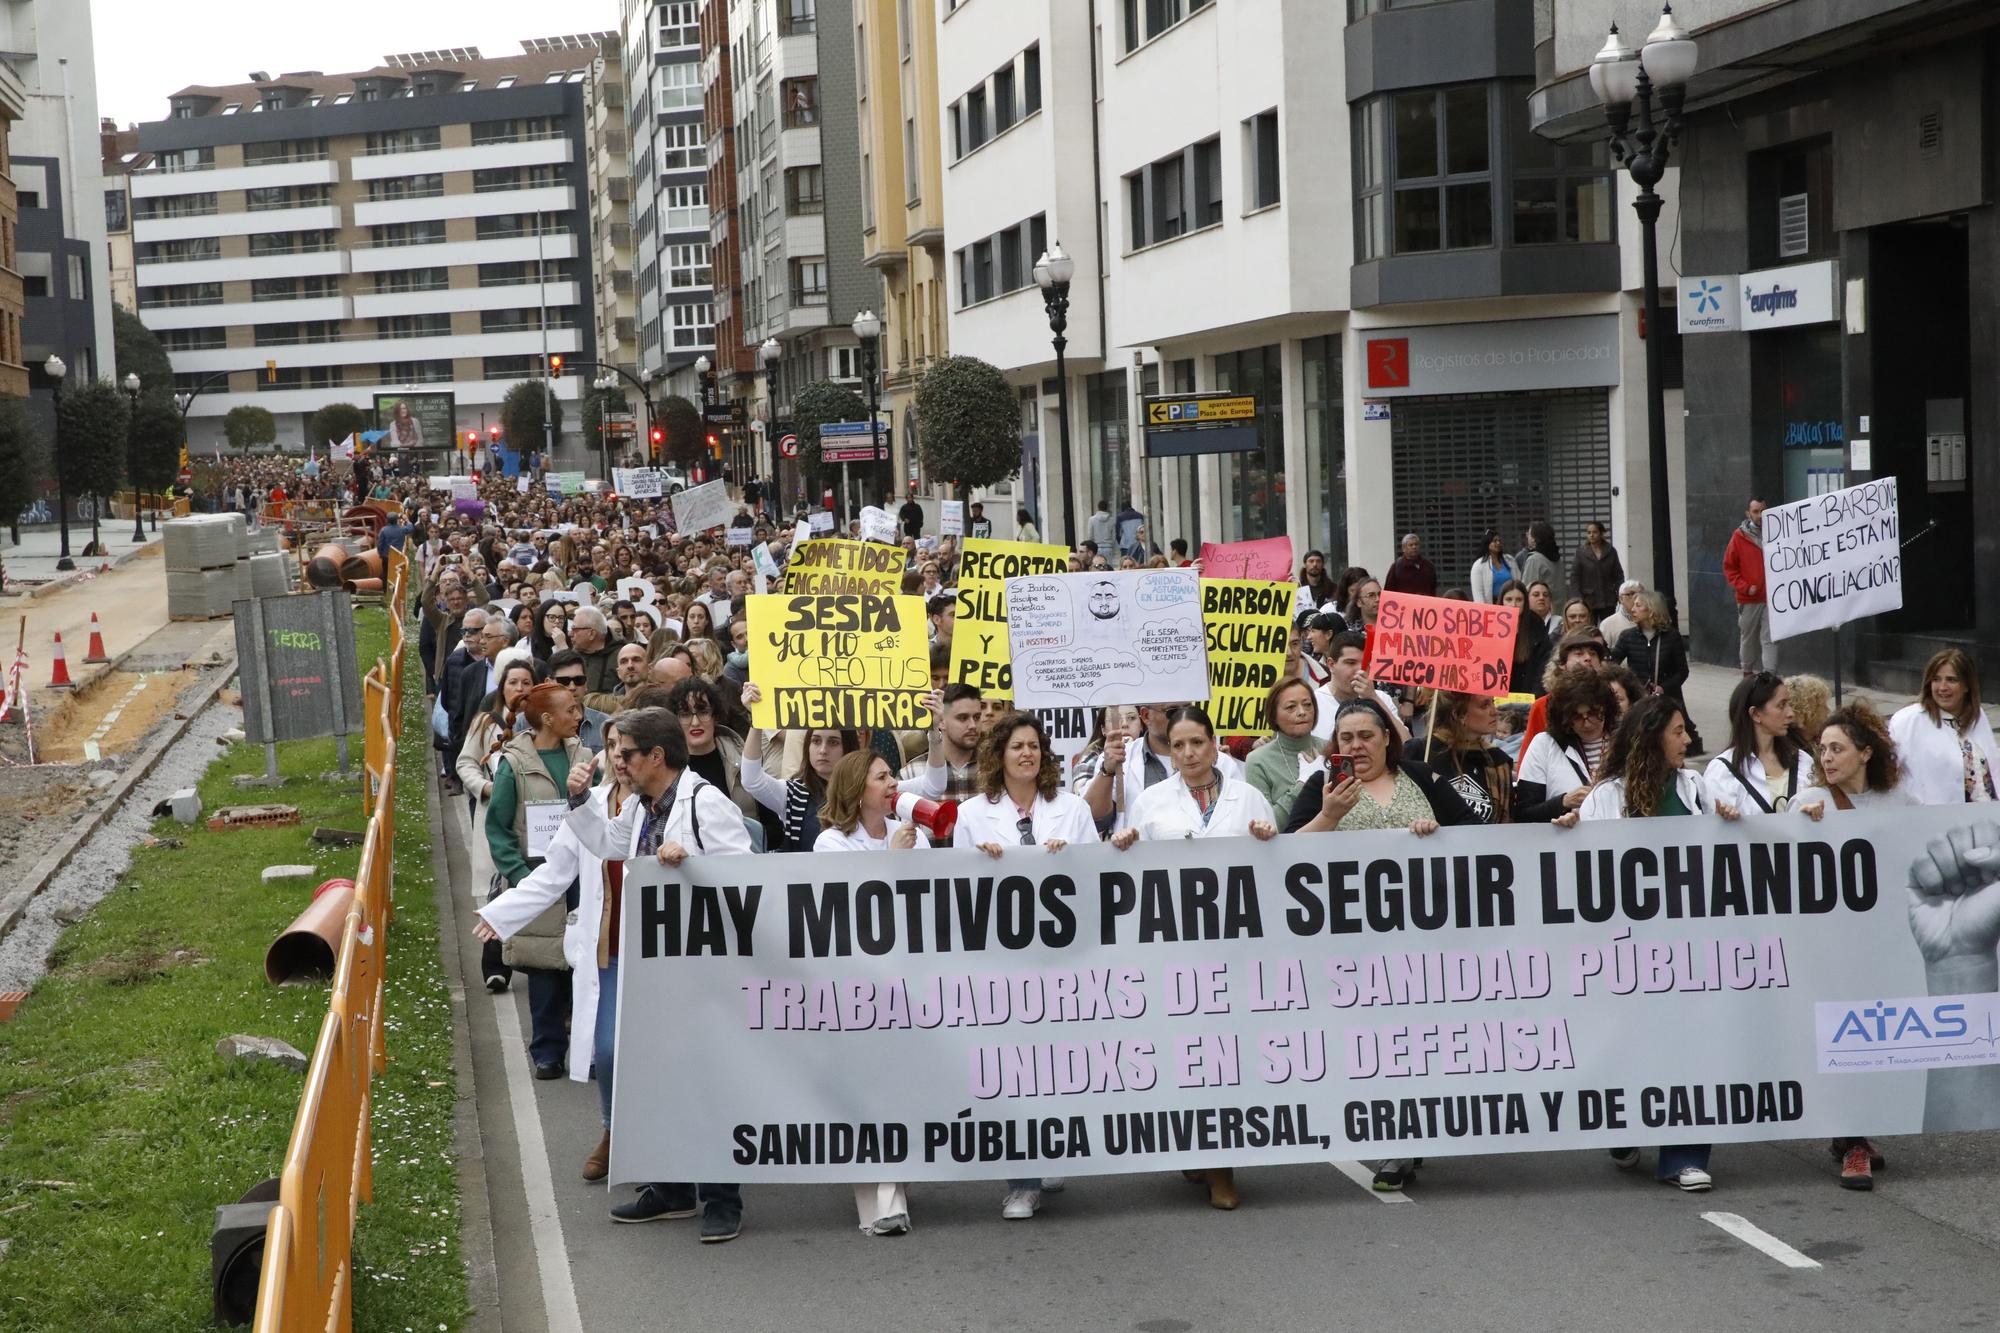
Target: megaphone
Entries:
(937, 818)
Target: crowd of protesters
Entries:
(552, 682)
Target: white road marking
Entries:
(1365, 1178)
(1759, 1239)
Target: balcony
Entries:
(160, 184)
(447, 300)
(317, 217)
(507, 250)
(548, 199)
(174, 273)
(549, 151)
(247, 312)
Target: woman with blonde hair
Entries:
(1812, 701)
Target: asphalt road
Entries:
(1500, 1243)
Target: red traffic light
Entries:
(494, 431)
(659, 436)
(472, 437)
(555, 365)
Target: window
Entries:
(510, 367)
(291, 243)
(168, 252)
(1253, 502)
(972, 121)
(913, 183)
(147, 210)
(293, 289)
(681, 149)
(1003, 262)
(809, 282)
(37, 284)
(427, 186)
(33, 199)
(680, 24)
(1260, 160)
(407, 233)
(193, 340)
(527, 320)
(1031, 80)
(193, 293)
(796, 17)
(413, 326)
(805, 191)
(519, 131)
(292, 334)
(416, 372)
(1147, 19)
(283, 150)
(1176, 194)
(686, 208)
(1560, 192)
(412, 280)
(693, 325)
(688, 266)
(800, 99)
(1003, 98)
(186, 159)
(1437, 191)
(291, 196)
(679, 87)
(522, 273)
(506, 226)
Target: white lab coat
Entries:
(1933, 767)
(1132, 778)
(832, 839)
(1723, 786)
(1561, 769)
(1167, 811)
(1607, 799)
(1062, 816)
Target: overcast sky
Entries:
(148, 49)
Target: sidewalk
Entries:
(31, 566)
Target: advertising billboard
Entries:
(417, 421)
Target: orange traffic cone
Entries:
(96, 653)
(59, 678)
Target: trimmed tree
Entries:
(597, 405)
(156, 446)
(969, 424)
(685, 441)
(522, 420)
(817, 404)
(334, 423)
(24, 461)
(137, 350)
(95, 418)
(245, 426)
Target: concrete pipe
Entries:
(323, 570)
(364, 565)
(308, 947)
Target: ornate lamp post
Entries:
(55, 370)
(1053, 272)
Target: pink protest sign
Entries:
(1446, 645)
(1269, 560)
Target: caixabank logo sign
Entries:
(1926, 1032)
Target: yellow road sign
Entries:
(1197, 411)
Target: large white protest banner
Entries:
(699, 508)
(934, 1015)
(1833, 558)
(1132, 636)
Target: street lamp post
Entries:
(1053, 272)
(770, 354)
(603, 384)
(131, 383)
(1628, 82)
(868, 328)
(55, 369)
(704, 374)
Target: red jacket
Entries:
(1743, 566)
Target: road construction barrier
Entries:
(308, 1272)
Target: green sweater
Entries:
(510, 858)
(1273, 769)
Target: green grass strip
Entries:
(121, 1129)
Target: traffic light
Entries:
(659, 439)
(494, 431)
(555, 367)
(471, 440)
(714, 445)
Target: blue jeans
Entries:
(548, 1014)
(1675, 1157)
(607, 1024)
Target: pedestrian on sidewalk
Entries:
(1595, 571)
(1743, 566)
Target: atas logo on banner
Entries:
(1767, 303)
(1928, 1031)
(1707, 296)
(1389, 363)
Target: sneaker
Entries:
(1395, 1173)
(652, 1205)
(1054, 1184)
(1624, 1158)
(1856, 1171)
(1020, 1205)
(496, 985)
(895, 1224)
(1838, 1149)
(718, 1226)
(1692, 1179)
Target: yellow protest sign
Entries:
(831, 566)
(1248, 624)
(850, 660)
(979, 654)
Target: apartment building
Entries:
(120, 157)
(14, 378)
(419, 226)
(902, 204)
(614, 306)
(793, 89)
(58, 244)
(1336, 210)
(1836, 166)
(670, 210)
(736, 367)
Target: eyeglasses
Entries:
(1588, 715)
(627, 753)
(569, 680)
(1025, 826)
(694, 708)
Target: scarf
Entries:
(1753, 531)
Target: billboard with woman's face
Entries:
(417, 420)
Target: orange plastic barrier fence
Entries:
(308, 1276)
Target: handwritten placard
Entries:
(1248, 625)
(853, 660)
(1269, 559)
(830, 566)
(1431, 642)
(543, 819)
(979, 652)
(1133, 636)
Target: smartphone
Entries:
(1339, 768)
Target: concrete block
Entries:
(186, 805)
(274, 874)
(241, 1047)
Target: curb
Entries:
(14, 901)
(76, 576)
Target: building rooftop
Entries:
(410, 74)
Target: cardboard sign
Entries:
(637, 483)
(830, 566)
(702, 507)
(819, 521)
(1268, 560)
(563, 483)
(852, 660)
(767, 565)
(636, 591)
(1248, 625)
(521, 485)
(877, 525)
(1430, 642)
(979, 652)
(464, 488)
(740, 536)
(1127, 637)
(1833, 558)
(951, 518)
(544, 818)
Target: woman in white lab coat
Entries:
(1768, 762)
(1943, 739)
(860, 816)
(1199, 801)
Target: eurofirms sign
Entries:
(1772, 298)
